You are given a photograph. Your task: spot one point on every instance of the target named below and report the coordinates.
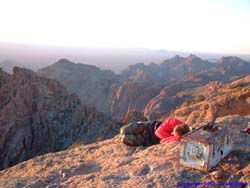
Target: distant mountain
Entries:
(116, 59)
(94, 86)
(38, 115)
(178, 90)
(35, 57)
(169, 69)
(148, 89)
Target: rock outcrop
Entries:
(232, 99)
(38, 115)
(111, 164)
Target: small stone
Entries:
(20, 184)
(50, 178)
(52, 186)
(217, 174)
(64, 175)
(38, 184)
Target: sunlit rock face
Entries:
(231, 99)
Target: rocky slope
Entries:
(232, 98)
(38, 116)
(165, 102)
(111, 164)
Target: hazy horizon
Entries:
(116, 59)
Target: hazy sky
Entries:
(189, 25)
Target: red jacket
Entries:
(165, 130)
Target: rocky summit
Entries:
(110, 163)
(38, 115)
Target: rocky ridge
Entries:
(231, 99)
(38, 116)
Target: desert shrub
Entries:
(76, 144)
(239, 88)
(189, 101)
(200, 98)
(172, 112)
(99, 139)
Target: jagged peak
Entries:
(64, 61)
(138, 65)
(177, 56)
(193, 56)
(19, 71)
(229, 59)
(135, 66)
(67, 63)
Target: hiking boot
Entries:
(132, 139)
(134, 128)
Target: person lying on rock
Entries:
(149, 133)
(171, 130)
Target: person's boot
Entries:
(132, 139)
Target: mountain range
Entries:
(149, 89)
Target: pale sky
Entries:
(184, 25)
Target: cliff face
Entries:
(112, 164)
(38, 115)
(231, 99)
(133, 95)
